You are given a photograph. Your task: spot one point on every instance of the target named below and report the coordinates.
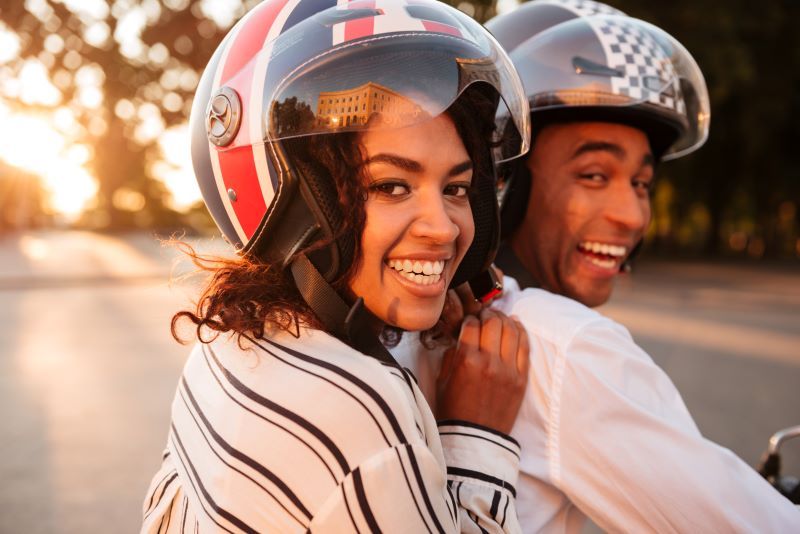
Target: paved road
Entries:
(88, 367)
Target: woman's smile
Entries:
(418, 221)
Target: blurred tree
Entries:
(126, 70)
(22, 200)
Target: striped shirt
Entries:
(306, 434)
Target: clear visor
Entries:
(609, 61)
(413, 65)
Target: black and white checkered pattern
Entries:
(649, 73)
(584, 8)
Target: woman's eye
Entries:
(457, 190)
(391, 189)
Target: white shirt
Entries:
(605, 433)
(306, 434)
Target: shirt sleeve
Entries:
(482, 469)
(405, 488)
(626, 451)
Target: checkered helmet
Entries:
(515, 27)
(293, 69)
(612, 68)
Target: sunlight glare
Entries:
(175, 170)
(32, 144)
(9, 44)
(35, 86)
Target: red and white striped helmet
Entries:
(297, 68)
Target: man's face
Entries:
(589, 206)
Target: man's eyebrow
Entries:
(612, 148)
(595, 146)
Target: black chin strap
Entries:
(348, 323)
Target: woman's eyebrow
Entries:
(415, 166)
(398, 161)
(460, 168)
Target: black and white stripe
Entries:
(294, 435)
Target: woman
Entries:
(345, 151)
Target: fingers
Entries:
(523, 349)
(469, 303)
(452, 314)
(510, 342)
(492, 327)
(470, 335)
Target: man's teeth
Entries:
(616, 251)
(420, 272)
(605, 264)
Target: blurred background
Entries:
(94, 163)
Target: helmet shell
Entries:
(513, 28)
(291, 69)
(590, 65)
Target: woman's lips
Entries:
(422, 277)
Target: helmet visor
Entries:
(617, 61)
(400, 69)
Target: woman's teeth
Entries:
(420, 272)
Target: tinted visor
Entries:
(410, 69)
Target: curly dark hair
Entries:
(246, 295)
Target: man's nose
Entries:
(626, 208)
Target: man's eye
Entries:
(457, 190)
(644, 187)
(594, 177)
(392, 189)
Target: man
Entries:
(603, 431)
(607, 104)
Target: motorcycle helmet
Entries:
(289, 71)
(592, 66)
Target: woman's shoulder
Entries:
(315, 381)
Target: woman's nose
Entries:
(434, 220)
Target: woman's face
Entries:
(418, 221)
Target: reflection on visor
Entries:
(365, 103)
(372, 104)
(411, 66)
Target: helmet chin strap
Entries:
(351, 324)
(627, 265)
